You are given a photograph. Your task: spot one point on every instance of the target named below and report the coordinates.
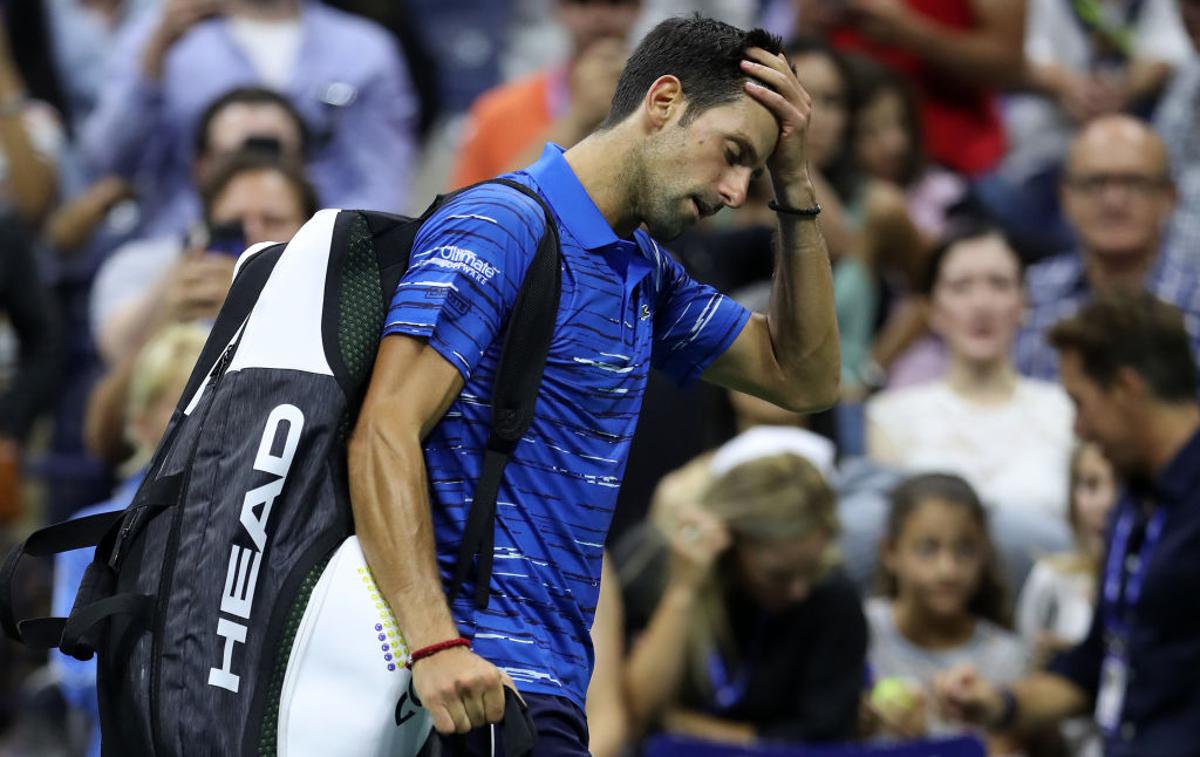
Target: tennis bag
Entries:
(229, 606)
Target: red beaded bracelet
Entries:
(432, 649)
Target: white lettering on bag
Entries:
(241, 576)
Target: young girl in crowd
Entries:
(752, 633)
(943, 604)
(1055, 608)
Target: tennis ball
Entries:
(891, 693)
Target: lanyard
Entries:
(728, 689)
(1116, 620)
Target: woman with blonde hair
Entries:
(755, 633)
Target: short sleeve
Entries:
(465, 270)
(693, 323)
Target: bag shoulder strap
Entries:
(514, 394)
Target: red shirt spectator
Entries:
(961, 120)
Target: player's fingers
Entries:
(784, 83)
(759, 55)
(493, 703)
(458, 714)
(508, 684)
(474, 708)
(443, 723)
(784, 110)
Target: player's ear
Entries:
(664, 102)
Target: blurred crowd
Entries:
(984, 167)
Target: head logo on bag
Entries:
(245, 561)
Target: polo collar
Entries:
(576, 211)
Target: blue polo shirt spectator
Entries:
(343, 73)
(1161, 710)
(1056, 288)
(625, 306)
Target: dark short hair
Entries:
(251, 161)
(246, 96)
(990, 600)
(1134, 330)
(959, 229)
(703, 53)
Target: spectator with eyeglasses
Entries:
(1117, 195)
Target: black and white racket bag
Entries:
(229, 606)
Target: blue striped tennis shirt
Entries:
(625, 306)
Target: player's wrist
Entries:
(796, 192)
(430, 624)
(444, 648)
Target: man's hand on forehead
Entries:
(773, 83)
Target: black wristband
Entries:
(812, 212)
(1008, 715)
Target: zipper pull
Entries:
(222, 364)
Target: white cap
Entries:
(764, 441)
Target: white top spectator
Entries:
(1015, 454)
(1054, 35)
(1039, 131)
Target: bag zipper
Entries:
(160, 614)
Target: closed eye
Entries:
(737, 155)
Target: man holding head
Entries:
(1127, 366)
(699, 109)
(1118, 195)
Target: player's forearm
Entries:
(801, 316)
(395, 528)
